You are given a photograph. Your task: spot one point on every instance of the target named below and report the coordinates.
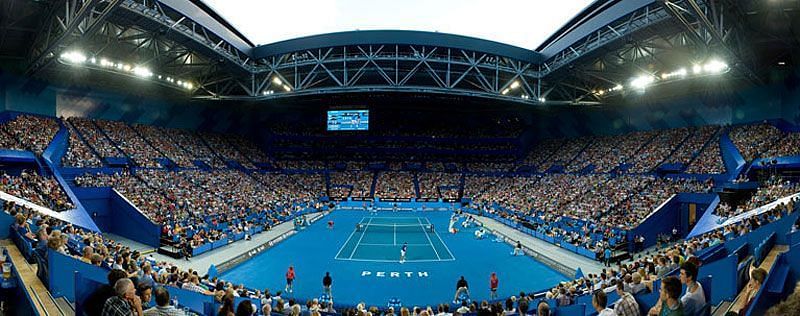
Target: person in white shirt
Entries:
(694, 299)
(599, 302)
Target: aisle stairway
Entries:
(43, 302)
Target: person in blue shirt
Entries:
(607, 257)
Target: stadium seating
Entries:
(582, 212)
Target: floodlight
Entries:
(642, 82)
(142, 72)
(74, 57)
(715, 66)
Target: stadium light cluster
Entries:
(78, 58)
(640, 83)
(278, 83)
(514, 85)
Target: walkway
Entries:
(218, 256)
(564, 257)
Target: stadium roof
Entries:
(520, 23)
(206, 53)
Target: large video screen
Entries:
(348, 120)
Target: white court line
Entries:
(394, 261)
(384, 217)
(387, 245)
(442, 241)
(347, 241)
(359, 240)
(429, 240)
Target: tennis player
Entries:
(403, 252)
(330, 224)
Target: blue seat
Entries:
(777, 281)
(571, 310)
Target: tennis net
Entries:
(397, 228)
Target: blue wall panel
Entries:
(128, 222)
(62, 274)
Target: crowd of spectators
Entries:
(134, 278)
(691, 147)
(198, 202)
(165, 145)
(709, 160)
(31, 132)
(575, 208)
(79, 155)
(248, 148)
(789, 145)
(597, 148)
(131, 143)
(8, 141)
(490, 166)
(768, 192)
(754, 139)
(565, 153)
(393, 184)
(543, 150)
(221, 146)
(195, 146)
(431, 184)
(143, 276)
(42, 191)
(638, 275)
(300, 164)
(658, 149)
(94, 137)
(359, 181)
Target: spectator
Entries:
(694, 300)
(636, 285)
(245, 308)
(125, 303)
(626, 305)
(163, 308)
(543, 309)
(93, 306)
(193, 285)
(757, 278)
(145, 293)
(599, 302)
(668, 303)
(227, 305)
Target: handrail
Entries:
(38, 300)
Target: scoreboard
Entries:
(348, 120)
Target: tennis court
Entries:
(364, 263)
(379, 239)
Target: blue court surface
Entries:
(362, 254)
